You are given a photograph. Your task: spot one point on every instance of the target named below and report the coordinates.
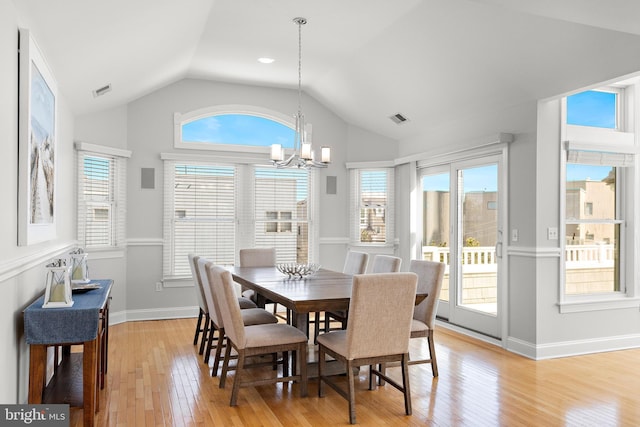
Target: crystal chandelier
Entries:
(303, 155)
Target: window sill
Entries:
(593, 304)
(106, 252)
(178, 282)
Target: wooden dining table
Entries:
(325, 290)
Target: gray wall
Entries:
(22, 270)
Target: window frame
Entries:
(179, 119)
(614, 145)
(118, 183)
(355, 209)
(246, 159)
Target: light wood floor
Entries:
(157, 378)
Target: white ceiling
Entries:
(432, 60)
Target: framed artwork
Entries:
(37, 129)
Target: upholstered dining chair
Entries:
(355, 263)
(204, 310)
(378, 330)
(381, 264)
(254, 340)
(251, 316)
(260, 257)
(386, 264)
(430, 275)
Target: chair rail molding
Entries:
(15, 266)
(145, 241)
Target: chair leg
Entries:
(225, 365)
(405, 384)
(351, 392)
(237, 379)
(216, 358)
(302, 366)
(198, 327)
(321, 363)
(207, 352)
(432, 353)
(205, 333)
(316, 327)
(382, 367)
(285, 364)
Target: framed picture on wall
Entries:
(37, 130)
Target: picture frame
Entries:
(37, 139)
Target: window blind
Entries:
(281, 212)
(101, 200)
(200, 215)
(372, 205)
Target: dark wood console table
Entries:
(86, 323)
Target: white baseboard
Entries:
(152, 314)
(594, 345)
(557, 349)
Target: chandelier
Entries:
(303, 155)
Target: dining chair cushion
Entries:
(246, 303)
(257, 316)
(272, 334)
(418, 326)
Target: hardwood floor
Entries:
(157, 378)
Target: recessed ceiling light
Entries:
(266, 60)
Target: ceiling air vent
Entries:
(101, 91)
(398, 118)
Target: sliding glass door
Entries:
(461, 226)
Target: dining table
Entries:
(324, 290)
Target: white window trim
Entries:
(120, 169)
(244, 206)
(179, 119)
(605, 142)
(354, 204)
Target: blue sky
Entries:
(238, 129)
(482, 178)
(592, 108)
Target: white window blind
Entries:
(200, 215)
(372, 219)
(101, 200)
(281, 212)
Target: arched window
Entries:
(233, 128)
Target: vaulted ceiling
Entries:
(431, 60)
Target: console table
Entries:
(86, 323)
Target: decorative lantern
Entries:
(79, 268)
(58, 285)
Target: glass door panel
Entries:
(478, 207)
(436, 200)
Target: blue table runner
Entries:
(67, 325)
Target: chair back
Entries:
(430, 274)
(222, 286)
(380, 314)
(356, 263)
(258, 257)
(214, 312)
(386, 264)
(197, 283)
